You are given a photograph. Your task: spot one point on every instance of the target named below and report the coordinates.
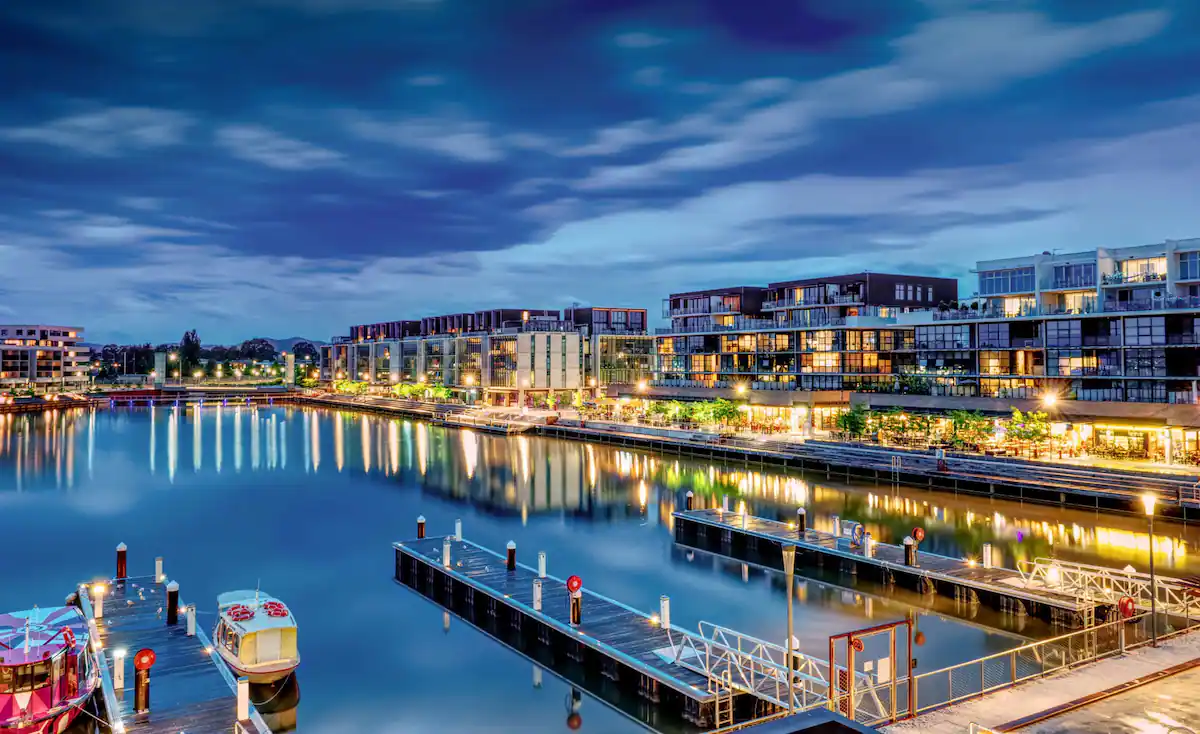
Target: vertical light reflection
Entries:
(394, 445)
(153, 438)
(220, 418)
(197, 441)
(91, 450)
(316, 443)
(254, 438)
(470, 449)
(339, 441)
(422, 432)
(365, 425)
(237, 440)
(173, 443)
(305, 421)
(282, 444)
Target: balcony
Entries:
(1135, 278)
(1165, 303)
(1063, 284)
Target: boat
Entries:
(48, 671)
(256, 636)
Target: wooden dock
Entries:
(620, 644)
(746, 537)
(191, 689)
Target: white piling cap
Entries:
(801, 511)
(511, 545)
(121, 547)
(908, 540)
(689, 494)
(420, 518)
(173, 586)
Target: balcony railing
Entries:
(1119, 278)
(1063, 283)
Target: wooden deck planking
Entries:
(607, 626)
(189, 690)
(929, 564)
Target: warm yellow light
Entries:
(470, 379)
(653, 619)
(592, 382)
(154, 373)
(741, 389)
(641, 385)
(1148, 501)
(173, 356)
(98, 589)
(1049, 399)
(197, 373)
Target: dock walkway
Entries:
(624, 644)
(738, 535)
(191, 689)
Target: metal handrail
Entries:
(1101, 583)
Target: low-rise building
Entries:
(499, 355)
(43, 357)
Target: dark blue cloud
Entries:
(270, 166)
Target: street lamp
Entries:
(1148, 503)
(1049, 400)
(789, 567)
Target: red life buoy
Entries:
(68, 638)
(857, 644)
(574, 584)
(275, 609)
(240, 613)
(144, 659)
(1127, 607)
(918, 534)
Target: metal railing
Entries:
(1109, 585)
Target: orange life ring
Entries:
(240, 613)
(275, 609)
(68, 638)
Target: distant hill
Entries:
(285, 345)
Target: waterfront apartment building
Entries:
(796, 348)
(42, 357)
(499, 354)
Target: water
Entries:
(308, 502)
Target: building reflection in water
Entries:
(528, 475)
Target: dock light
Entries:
(1148, 502)
(208, 650)
(653, 619)
(970, 563)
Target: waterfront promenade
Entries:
(1093, 488)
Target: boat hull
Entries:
(56, 724)
(259, 675)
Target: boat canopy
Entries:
(45, 631)
(255, 601)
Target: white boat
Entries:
(256, 636)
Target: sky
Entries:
(291, 167)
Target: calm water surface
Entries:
(308, 502)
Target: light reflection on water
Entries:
(234, 494)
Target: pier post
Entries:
(868, 546)
(541, 564)
(837, 526)
(511, 562)
(98, 591)
(159, 576)
(910, 552)
(987, 555)
(458, 530)
(243, 698)
(537, 676)
(142, 662)
(537, 595)
(664, 611)
(173, 603)
(191, 620)
(724, 503)
(576, 607)
(420, 527)
(446, 552)
(121, 566)
(119, 670)
(801, 521)
(688, 500)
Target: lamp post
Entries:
(1148, 503)
(789, 567)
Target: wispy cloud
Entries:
(107, 132)
(464, 140)
(262, 145)
(639, 39)
(427, 80)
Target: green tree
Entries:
(969, 428)
(1033, 427)
(189, 352)
(853, 422)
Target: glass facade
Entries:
(1015, 280)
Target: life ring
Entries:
(857, 533)
(240, 613)
(275, 609)
(1127, 607)
(68, 638)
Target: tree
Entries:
(1033, 427)
(258, 350)
(969, 429)
(189, 352)
(853, 422)
(304, 349)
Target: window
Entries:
(910, 291)
(929, 294)
(1016, 280)
(1145, 363)
(899, 293)
(1145, 331)
(1066, 333)
(919, 298)
(6, 680)
(1189, 265)
(943, 337)
(1080, 275)
(994, 335)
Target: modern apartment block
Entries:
(796, 348)
(42, 356)
(500, 353)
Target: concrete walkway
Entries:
(1039, 695)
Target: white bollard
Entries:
(243, 698)
(158, 571)
(191, 620)
(987, 555)
(446, 552)
(537, 595)
(724, 503)
(542, 564)
(837, 526)
(664, 611)
(537, 676)
(119, 670)
(98, 591)
(868, 546)
(458, 529)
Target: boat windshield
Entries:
(22, 678)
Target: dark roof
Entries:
(850, 278)
(727, 291)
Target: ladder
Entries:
(722, 688)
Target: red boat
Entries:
(48, 672)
